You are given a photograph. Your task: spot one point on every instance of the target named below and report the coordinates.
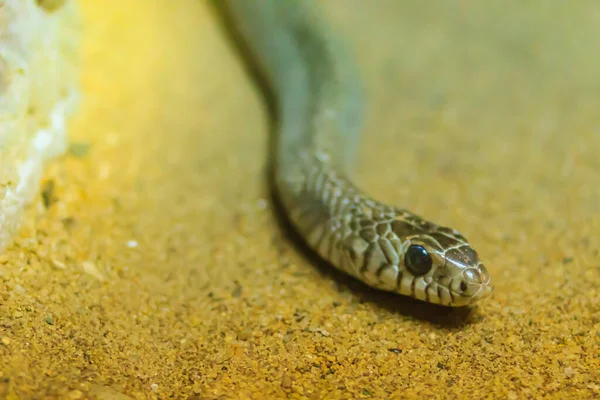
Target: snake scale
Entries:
(319, 104)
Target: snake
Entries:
(319, 106)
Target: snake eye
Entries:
(417, 260)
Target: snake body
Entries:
(319, 105)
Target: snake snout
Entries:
(473, 283)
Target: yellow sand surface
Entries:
(155, 266)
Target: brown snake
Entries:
(319, 102)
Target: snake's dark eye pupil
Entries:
(417, 260)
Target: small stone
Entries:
(91, 269)
(286, 381)
(75, 394)
(595, 387)
(262, 204)
(5, 341)
(19, 289)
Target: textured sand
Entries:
(159, 269)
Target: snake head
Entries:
(441, 267)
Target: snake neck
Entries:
(320, 115)
(319, 106)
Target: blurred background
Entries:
(161, 270)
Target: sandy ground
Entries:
(156, 267)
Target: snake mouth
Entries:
(460, 299)
(484, 291)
